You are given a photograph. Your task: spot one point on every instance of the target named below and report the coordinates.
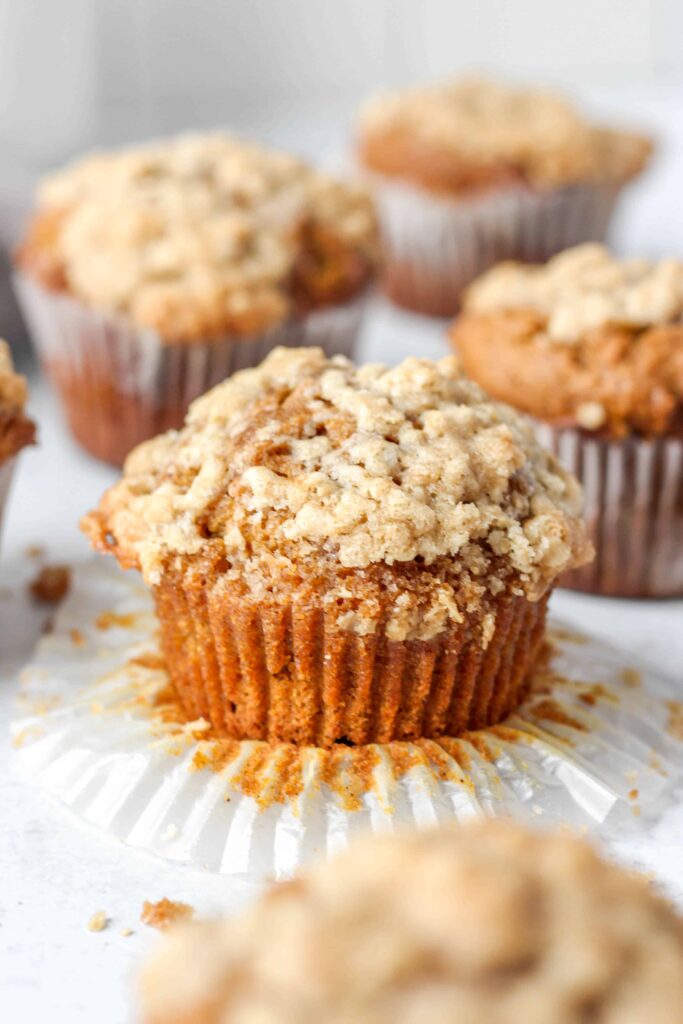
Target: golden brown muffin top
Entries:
(475, 132)
(16, 430)
(306, 460)
(585, 338)
(487, 923)
(201, 235)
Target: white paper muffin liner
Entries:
(597, 745)
(435, 246)
(633, 506)
(120, 384)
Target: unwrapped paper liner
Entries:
(597, 745)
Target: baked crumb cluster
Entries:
(16, 430)
(583, 289)
(482, 124)
(201, 234)
(306, 460)
(487, 923)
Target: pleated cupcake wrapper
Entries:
(286, 672)
(436, 246)
(6, 473)
(633, 505)
(593, 746)
(120, 384)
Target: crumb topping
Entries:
(16, 430)
(472, 125)
(306, 461)
(13, 390)
(485, 923)
(201, 235)
(582, 289)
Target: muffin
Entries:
(471, 172)
(346, 555)
(592, 348)
(16, 430)
(487, 924)
(147, 275)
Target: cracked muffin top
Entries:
(488, 923)
(477, 133)
(306, 461)
(16, 430)
(586, 338)
(201, 235)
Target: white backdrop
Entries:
(74, 72)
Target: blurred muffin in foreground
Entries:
(592, 348)
(346, 555)
(16, 429)
(149, 274)
(488, 924)
(473, 171)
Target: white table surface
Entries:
(56, 872)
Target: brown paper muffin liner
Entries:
(435, 247)
(633, 505)
(121, 385)
(286, 672)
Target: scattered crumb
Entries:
(633, 794)
(98, 922)
(34, 551)
(125, 932)
(77, 638)
(164, 913)
(170, 832)
(631, 677)
(109, 620)
(51, 584)
(675, 723)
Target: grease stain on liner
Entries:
(597, 745)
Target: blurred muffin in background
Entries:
(16, 429)
(592, 348)
(344, 554)
(471, 172)
(149, 274)
(487, 924)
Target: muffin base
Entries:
(436, 246)
(285, 672)
(633, 505)
(120, 385)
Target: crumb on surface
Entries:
(51, 584)
(164, 913)
(34, 551)
(126, 932)
(77, 638)
(98, 922)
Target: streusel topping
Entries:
(13, 390)
(486, 923)
(308, 458)
(583, 289)
(482, 122)
(199, 234)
